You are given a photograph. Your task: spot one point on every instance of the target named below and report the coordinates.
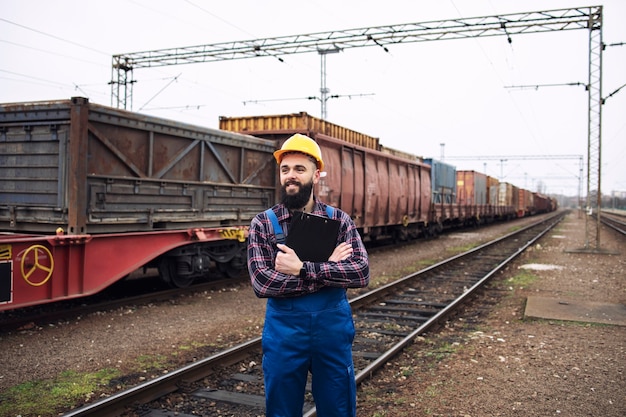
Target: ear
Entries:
(316, 176)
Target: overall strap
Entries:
(278, 230)
(330, 210)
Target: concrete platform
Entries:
(575, 310)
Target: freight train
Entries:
(89, 194)
(392, 193)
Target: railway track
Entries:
(614, 221)
(387, 320)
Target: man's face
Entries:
(298, 174)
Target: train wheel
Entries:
(169, 274)
(234, 267)
(434, 229)
(229, 269)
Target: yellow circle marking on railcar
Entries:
(37, 266)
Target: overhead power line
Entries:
(537, 86)
(307, 98)
(512, 157)
(54, 37)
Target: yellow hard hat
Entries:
(302, 144)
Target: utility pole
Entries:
(324, 90)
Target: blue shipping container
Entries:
(443, 181)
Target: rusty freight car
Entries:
(508, 198)
(280, 126)
(472, 195)
(386, 193)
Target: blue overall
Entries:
(312, 333)
(309, 333)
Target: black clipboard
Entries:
(313, 237)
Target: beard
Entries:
(296, 201)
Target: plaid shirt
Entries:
(267, 282)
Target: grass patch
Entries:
(192, 346)
(418, 266)
(441, 351)
(43, 397)
(460, 249)
(145, 362)
(523, 279)
(40, 398)
(426, 263)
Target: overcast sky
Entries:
(415, 97)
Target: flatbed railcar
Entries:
(89, 194)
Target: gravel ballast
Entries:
(498, 363)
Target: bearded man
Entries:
(308, 321)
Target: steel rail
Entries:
(615, 222)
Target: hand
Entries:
(341, 252)
(287, 261)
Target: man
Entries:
(308, 320)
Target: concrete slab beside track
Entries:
(575, 310)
